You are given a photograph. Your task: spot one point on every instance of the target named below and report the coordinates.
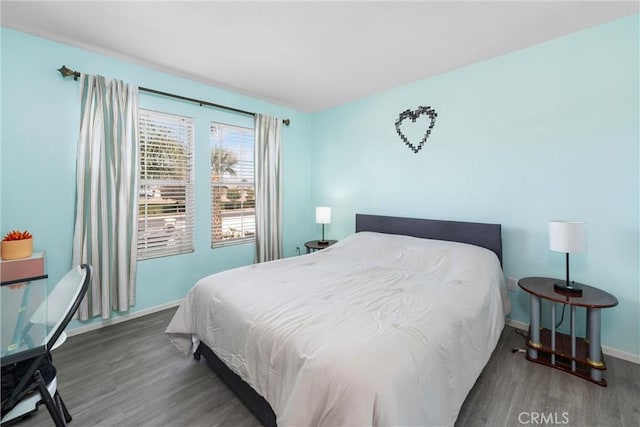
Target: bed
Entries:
(390, 326)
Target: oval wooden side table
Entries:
(579, 356)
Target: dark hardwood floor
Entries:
(129, 374)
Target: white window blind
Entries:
(232, 185)
(165, 222)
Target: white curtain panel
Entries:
(268, 178)
(106, 217)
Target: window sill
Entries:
(233, 242)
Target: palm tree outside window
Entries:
(232, 185)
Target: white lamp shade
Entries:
(323, 215)
(567, 236)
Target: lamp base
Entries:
(323, 242)
(570, 289)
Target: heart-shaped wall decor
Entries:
(413, 115)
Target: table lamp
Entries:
(568, 237)
(323, 216)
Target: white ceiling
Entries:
(306, 55)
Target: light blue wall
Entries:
(40, 122)
(548, 132)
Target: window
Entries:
(232, 185)
(165, 222)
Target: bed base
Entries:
(252, 400)
(484, 235)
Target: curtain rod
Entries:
(67, 72)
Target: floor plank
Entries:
(129, 374)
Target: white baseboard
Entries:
(130, 316)
(613, 352)
(517, 324)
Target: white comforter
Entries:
(376, 330)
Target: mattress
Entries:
(377, 329)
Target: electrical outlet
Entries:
(512, 284)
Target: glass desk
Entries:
(25, 335)
(19, 300)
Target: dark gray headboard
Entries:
(484, 235)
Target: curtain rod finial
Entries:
(286, 122)
(67, 72)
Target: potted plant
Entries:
(17, 244)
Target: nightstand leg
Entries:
(593, 333)
(573, 338)
(534, 328)
(553, 332)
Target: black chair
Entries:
(33, 381)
